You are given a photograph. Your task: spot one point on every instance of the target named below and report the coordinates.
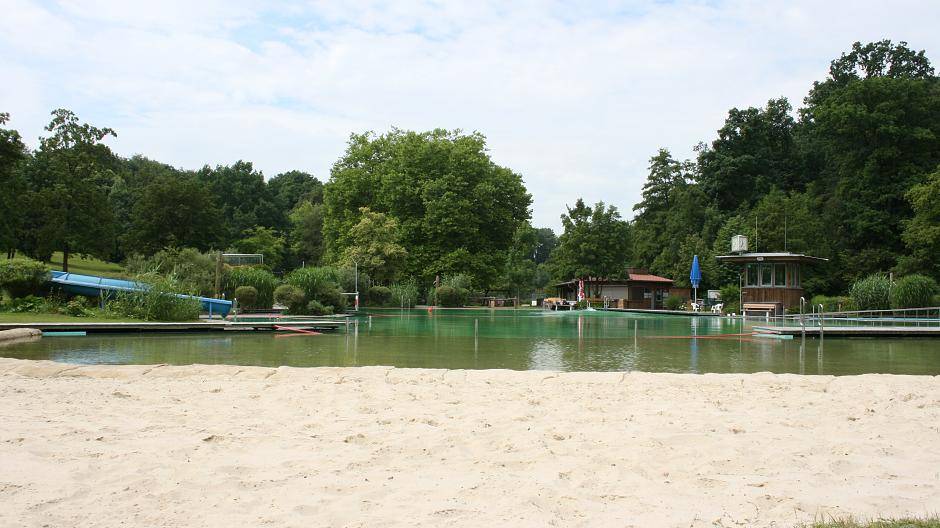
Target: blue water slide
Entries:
(92, 286)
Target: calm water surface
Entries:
(523, 340)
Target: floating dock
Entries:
(852, 331)
(193, 326)
(662, 312)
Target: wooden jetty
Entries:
(852, 331)
(662, 312)
(192, 326)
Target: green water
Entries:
(521, 340)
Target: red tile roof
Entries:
(645, 277)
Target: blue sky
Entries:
(574, 96)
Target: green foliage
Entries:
(12, 154)
(21, 276)
(450, 297)
(319, 284)
(78, 307)
(262, 280)
(265, 241)
(27, 304)
(872, 292)
(454, 207)
(379, 296)
(921, 233)
(674, 302)
(595, 243)
(247, 296)
(306, 232)
(373, 244)
(161, 300)
(316, 308)
(194, 270)
(290, 296)
(243, 200)
(849, 522)
(833, 304)
(731, 298)
(913, 291)
(404, 294)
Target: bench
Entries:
(768, 309)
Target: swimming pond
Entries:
(509, 339)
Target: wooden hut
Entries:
(770, 282)
(640, 289)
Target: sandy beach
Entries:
(227, 446)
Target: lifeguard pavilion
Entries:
(770, 282)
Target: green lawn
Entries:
(926, 522)
(57, 318)
(88, 266)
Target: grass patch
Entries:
(59, 318)
(908, 522)
(88, 266)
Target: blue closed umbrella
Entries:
(696, 276)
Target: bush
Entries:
(447, 296)
(379, 296)
(78, 307)
(262, 280)
(320, 284)
(27, 304)
(160, 301)
(872, 293)
(404, 294)
(315, 308)
(913, 291)
(247, 296)
(291, 297)
(832, 304)
(674, 302)
(21, 277)
(194, 270)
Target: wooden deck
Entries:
(194, 326)
(662, 312)
(852, 331)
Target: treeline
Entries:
(854, 178)
(851, 176)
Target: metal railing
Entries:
(927, 316)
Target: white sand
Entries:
(232, 446)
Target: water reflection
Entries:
(524, 340)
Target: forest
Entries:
(852, 175)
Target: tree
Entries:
(240, 193)
(306, 234)
(288, 189)
(922, 232)
(374, 246)
(596, 243)
(172, 210)
(12, 153)
(69, 179)
(520, 266)
(456, 210)
(263, 240)
(546, 241)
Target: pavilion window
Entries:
(766, 275)
(780, 275)
(751, 271)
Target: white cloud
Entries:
(575, 98)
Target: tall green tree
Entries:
(12, 154)
(456, 209)
(69, 178)
(520, 267)
(374, 246)
(922, 232)
(596, 242)
(287, 190)
(306, 233)
(242, 197)
(265, 241)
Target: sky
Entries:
(574, 96)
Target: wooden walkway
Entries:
(661, 312)
(194, 326)
(852, 331)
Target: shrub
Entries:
(447, 296)
(27, 304)
(404, 294)
(262, 280)
(194, 270)
(674, 302)
(913, 291)
(832, 304)
(319, 284)
(21, 277)
(159, 301)
(315, 308)
(247, 296)
(872, 293)
(379, 296)
(78, 307)
(291, 297)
